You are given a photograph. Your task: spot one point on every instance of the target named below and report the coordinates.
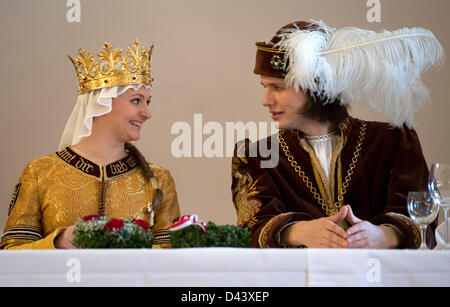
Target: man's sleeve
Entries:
(409, 173)
(257, 199)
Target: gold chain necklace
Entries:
(341, 191)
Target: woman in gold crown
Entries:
(340, 181)
(96, 169)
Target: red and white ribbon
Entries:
(186, 221)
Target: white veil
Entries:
(89, 105)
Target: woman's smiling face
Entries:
(129, 112)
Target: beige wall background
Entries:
(202, 63)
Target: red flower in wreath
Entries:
(141, 223)
(94, 217)
(114, 224)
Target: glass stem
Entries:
(446, 209)
(423, 233)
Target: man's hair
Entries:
(321, 110)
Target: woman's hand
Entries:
(64, 240)
(323, 232)
(364, 234)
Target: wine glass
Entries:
(439, 187)
(423, 209)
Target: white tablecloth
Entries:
(224, 267)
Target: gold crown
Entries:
(113, 67)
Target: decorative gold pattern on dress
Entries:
(21, 232)
(162, 236)
(80, 164)
(54, 195)
(66, 156)
(14, 197)
(115, 169)
(341, 191)
(102, 172)
(73, 180)
(102, 197)
(118, 168)
(131, 162)
(169, 209)
(129, 189)
(131, 184)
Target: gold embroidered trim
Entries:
(262, 239)
(268, 49)
(345, 184)
(161, 236)
(14, 196)
(336, 159)
(243, 192)
(319, 174)
(252, 222)
(85, 166)
(411, 225)
(342, 189)
(21, 232)
(55, 156)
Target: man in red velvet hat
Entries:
(341, 182)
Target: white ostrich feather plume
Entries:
(382, 69)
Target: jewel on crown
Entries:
(113, 67)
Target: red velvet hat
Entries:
(271, 61)
(352, 64)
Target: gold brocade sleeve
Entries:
(23, 228)
(168, 210)
(45, 243)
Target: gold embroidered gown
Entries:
(56, 189)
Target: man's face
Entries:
(285, 103)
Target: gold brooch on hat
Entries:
(277, 62)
